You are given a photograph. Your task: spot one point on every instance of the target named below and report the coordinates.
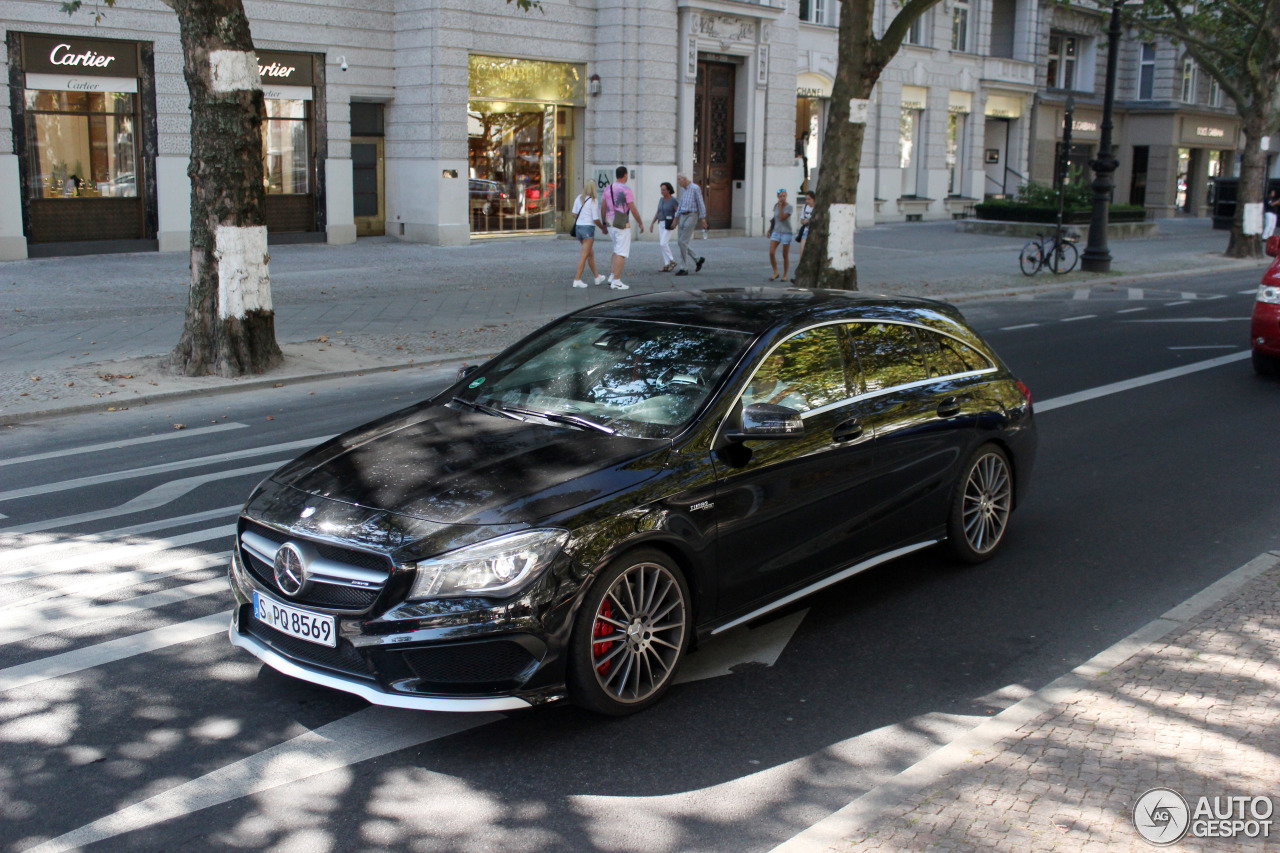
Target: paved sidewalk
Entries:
(91, 328)
(1187, 703)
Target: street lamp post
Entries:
(1096, 256)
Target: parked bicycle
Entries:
(1057, 253)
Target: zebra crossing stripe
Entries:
(28, 546)
(127, 442)
(67, 663)
(165, 468)
(118, 556)
(36, 622)
(79, 588)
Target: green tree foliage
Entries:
(1237, 43)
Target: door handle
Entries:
(949, 407)
(847, 431)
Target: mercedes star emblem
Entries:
(290, 569)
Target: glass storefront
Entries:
(289, 141)
(285, 147)
(520, 137)
(81, 144)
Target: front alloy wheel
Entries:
(981, 507)
(629, 635)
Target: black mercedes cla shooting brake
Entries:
(572, 517)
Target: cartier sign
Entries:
(284, 69)
(80, 56)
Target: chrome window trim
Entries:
(870, 394)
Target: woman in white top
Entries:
(588, 211)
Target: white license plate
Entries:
(303, 624)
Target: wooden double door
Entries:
(713, 147)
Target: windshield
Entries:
(634, 378)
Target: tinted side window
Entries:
(803, 373)
(888, 355)
(947, 356)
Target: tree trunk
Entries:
(828, 260)
(230, 323)
(1246, 227)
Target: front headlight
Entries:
(494, 567)
(1269, 294)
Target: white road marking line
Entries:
(1193, 320)
(117, 556)
(1081, 317)
(1136, 293)
(67, 663)
(1250, 292)
(27, 546)
(1208, 346)
(1130, 310)
(1213, 296)
(717, 656)
(164, 468)
(127, 442)
(1026, 297)
(1081, 294)
(1023, 326)
(1179, 302)
(38, 621)
(1137, 382)
(157, 497)
(1190, 297)
(77, 588)
(366, 734)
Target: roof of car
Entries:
(757, 309)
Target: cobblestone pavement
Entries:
(1193, 710)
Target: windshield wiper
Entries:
(488, 410)
(563, 418)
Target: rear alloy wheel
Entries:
(629, 635)
(981, 506)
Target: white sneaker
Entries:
(577, 282)
(617, 284)
(600, 279)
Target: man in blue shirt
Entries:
(691, 211)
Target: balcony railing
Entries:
(1013, 71)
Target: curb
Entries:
(828, 834)
(8, 419)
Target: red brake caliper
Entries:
(603, 629)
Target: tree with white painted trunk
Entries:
(828, 259)
(1237, 43)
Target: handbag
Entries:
(620, 219)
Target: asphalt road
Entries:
(127, 721)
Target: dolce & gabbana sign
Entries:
(82, 57)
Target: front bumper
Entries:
(465, 667)
(1265, 328)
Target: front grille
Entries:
(343, 659)
(318, 594)
(470, 663)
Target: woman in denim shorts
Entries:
(588, 212)
(781, 234)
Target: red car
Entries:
(1265, 332)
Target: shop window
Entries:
(82, 144)
(1147, 72)
(1138, 182)
(286, 147)
(1064, 52)
(955, 152)
(808, 136)
(960, 25)
(513, 166)
(908, 156)
(1188, 81)
(1076, 163)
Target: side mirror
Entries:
(1273, 245)
(765, 421)
(466, 370)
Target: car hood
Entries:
(455, 467)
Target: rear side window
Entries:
(805, 372)
(888, 355)
(946, 356)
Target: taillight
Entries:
(1026, 392)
